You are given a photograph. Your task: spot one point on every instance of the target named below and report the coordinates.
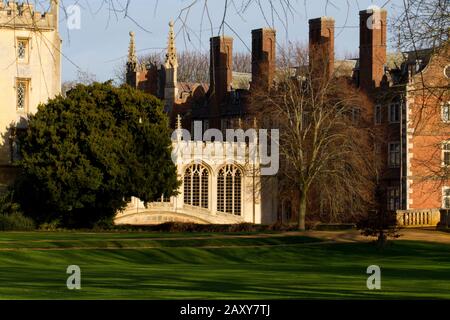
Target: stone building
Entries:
(30, 47)
(216, 188)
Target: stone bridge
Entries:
(160, 212)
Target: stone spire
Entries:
(171, 71)
(171, 56)
(132, 58)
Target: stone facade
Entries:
(235, 190)
(221, 184)
(30, 49)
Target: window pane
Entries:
(229, 198)
(21, 95)
(196, 187)
(21, 49)
(377, 114)
(446, 112)
(447, 158)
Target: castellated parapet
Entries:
(22, 15)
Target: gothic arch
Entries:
(230, 182)
(197, 185)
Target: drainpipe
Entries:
(401, 151)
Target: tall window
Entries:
(377, 114)
(196, 186)
(446, 112)
(229, 195)
(22, 50)
(394, 154)
(22, 95)
(394, 112)
(394, 199)
(446, 197)
(356, 115)
(446, 153)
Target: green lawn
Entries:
(174, 266)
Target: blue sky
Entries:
(101, 43)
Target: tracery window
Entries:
(229, 195)
(196, 186)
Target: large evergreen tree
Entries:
(86, 155)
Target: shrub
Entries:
(11, 216)
(50, 226)
(207, 228)
(16, 222)
(104, 224)
(79, 152)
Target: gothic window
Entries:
(196, 186)
(229, 195)
(22, 95)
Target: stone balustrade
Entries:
(418, 218)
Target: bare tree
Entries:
(325, 141)
(193, 66)
(422, 24)
(83, 77)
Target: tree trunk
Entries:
(302, 211)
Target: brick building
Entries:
(408, 96)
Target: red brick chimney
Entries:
(321, 45)
(263, 58)
(372, 50)
(221, 67)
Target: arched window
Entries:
(196, 186)
(229, 196)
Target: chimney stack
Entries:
(221, 67)
(321, 45)
(263, 58)
(372, 50)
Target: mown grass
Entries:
(290, 267)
